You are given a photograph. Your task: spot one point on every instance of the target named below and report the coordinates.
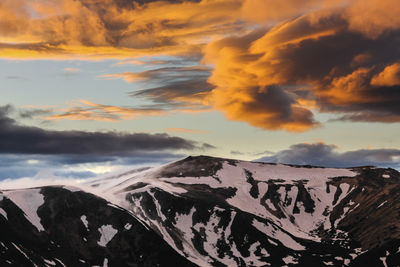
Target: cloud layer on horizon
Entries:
(15, 138)
(25, 150)
(321, 154)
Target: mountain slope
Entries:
(53, 226)
(220, 212)
(204, 211)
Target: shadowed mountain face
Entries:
(52, 226)
(204, 211)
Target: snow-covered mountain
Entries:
(204, 211)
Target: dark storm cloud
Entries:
(344, 69)
(15, 138)
(320, 154)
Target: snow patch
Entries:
(289, 259)
(28, 201)
(128, 226)
(255, 260)
(107, 233)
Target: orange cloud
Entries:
(272, 79)
(90, 111)
(390, 76)
(271, 10)
(373, 17)
(66, 29)
(349, 89)
(246, 91)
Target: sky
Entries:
(92, 86)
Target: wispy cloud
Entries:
(35, 112)
(87, 110)
(71, 70)
(182, 89)
(162, 74)
(151, 62)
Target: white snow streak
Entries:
(383, 259)
(383, 203)
(85, 221)
(4, 213)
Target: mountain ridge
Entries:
(224, 212)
